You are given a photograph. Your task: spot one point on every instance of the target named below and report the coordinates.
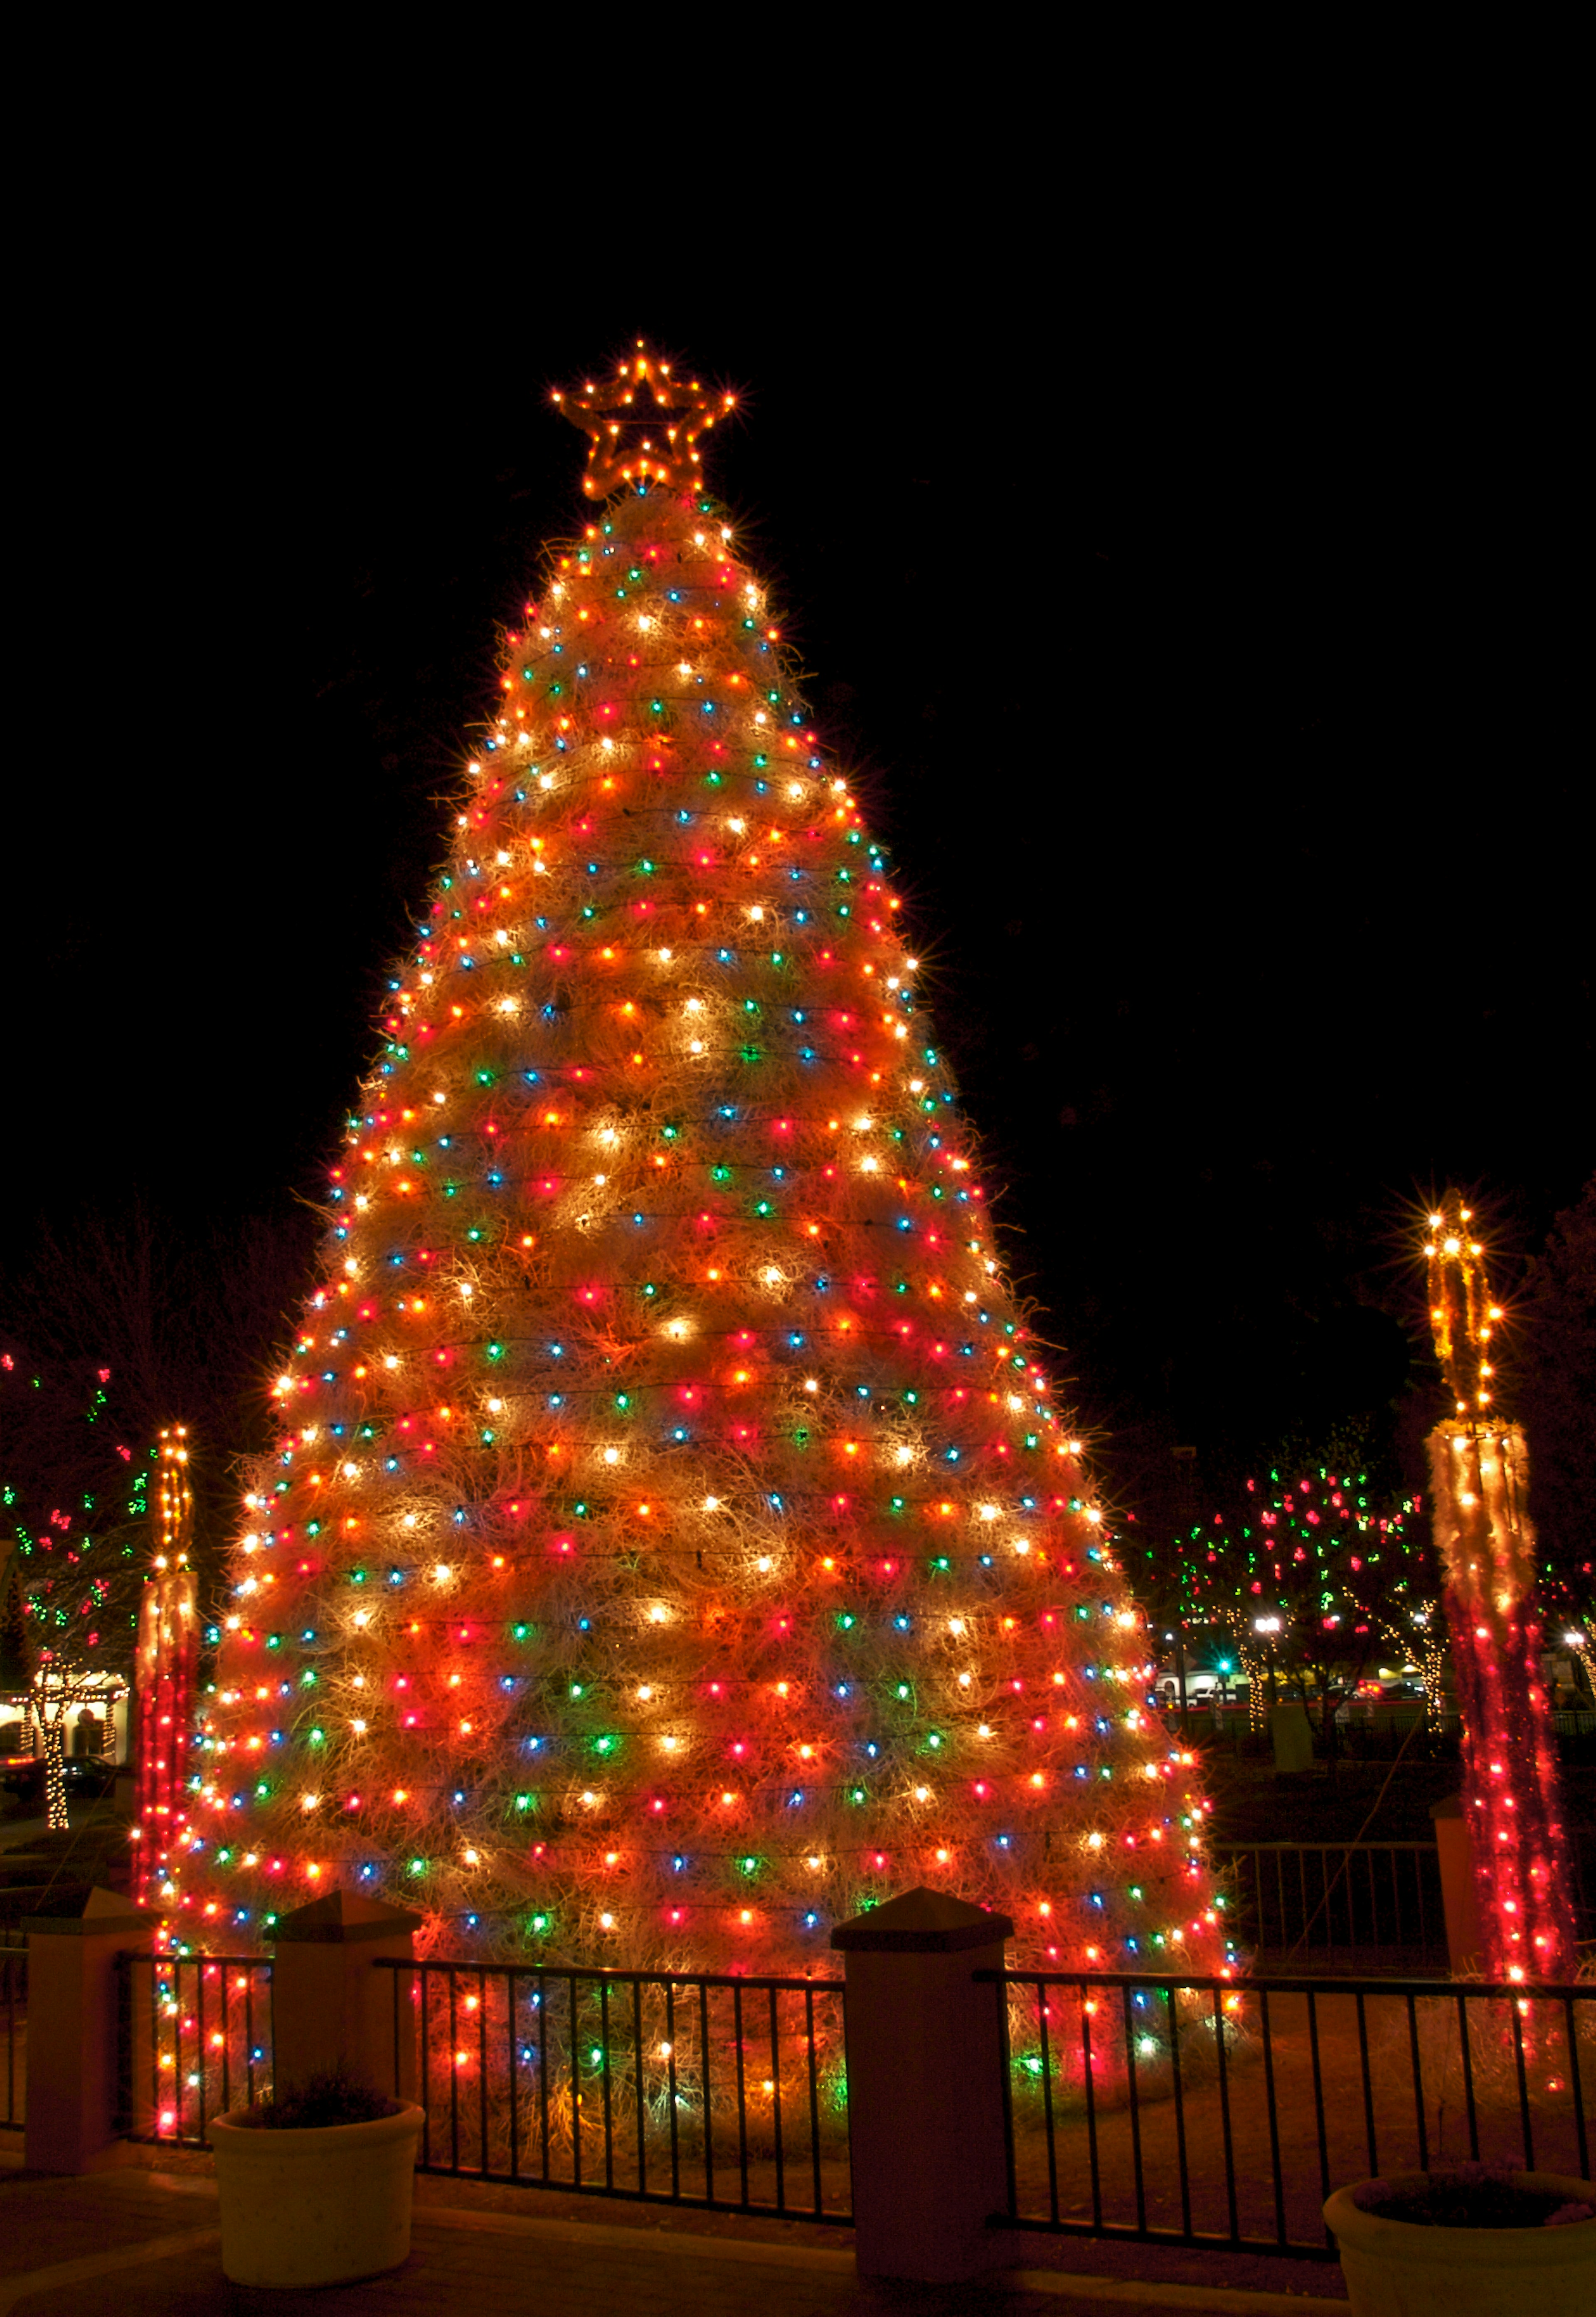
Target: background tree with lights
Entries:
(671, 1544)
(1346, 1571)
(74, 1499)
(181, 1313)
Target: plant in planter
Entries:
(1472, 2241)
(315, 2185)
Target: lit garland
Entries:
(1479, 1467)
(168, 1623)
(671, 1546)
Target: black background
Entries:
(1204, 653)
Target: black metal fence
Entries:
(195, 2041)
(721, 2092)
(13, 2018)
(1367, 1905)
(1210, 2113)
(1391, 1729)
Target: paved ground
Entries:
(146, 2243)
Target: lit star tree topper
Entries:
(1479, 1471)
(673, 1544)
(644, 425)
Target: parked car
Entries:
(22, 1776)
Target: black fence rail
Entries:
(721, 2092)
(1391, 1729)
(195, 2041)
(14, 2020)
(1210, 2113)
(1365, 1904)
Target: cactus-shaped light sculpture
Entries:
(1479, 1471)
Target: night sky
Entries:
(1211, 705)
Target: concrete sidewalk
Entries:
(147, 2244)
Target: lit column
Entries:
(167, 1621)
(1479, 1471)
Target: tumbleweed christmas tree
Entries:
(672, 1546)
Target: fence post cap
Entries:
(1450, 1806)
(342, 1919)
(922, 1922)
(88, 1914)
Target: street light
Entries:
(1268, 1627)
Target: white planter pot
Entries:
(318, 2208)
(1398, 2268)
